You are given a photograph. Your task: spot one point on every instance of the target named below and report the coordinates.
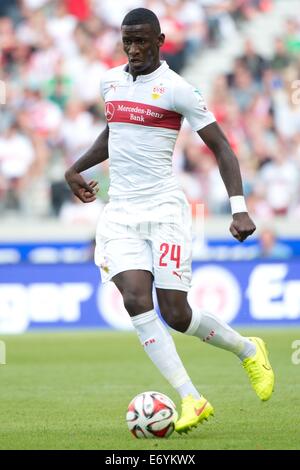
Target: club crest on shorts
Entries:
(104, 265)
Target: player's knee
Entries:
(178, 322)
(176, 316)
(136, 302)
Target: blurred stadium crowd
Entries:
(52, 56)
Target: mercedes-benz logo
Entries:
(109, 111)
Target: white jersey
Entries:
(144, 118)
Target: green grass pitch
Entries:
(71, 391)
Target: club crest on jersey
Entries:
(157, 92)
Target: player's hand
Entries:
(86, 192)
(242, 226)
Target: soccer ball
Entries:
(151, 415)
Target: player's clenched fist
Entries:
(242, 226)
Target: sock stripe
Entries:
(194, 325)
(144, 318)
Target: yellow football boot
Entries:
(259, 370)
(193, 412)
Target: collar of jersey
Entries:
(150, 76)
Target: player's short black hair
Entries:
(142, 16)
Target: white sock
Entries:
(188, 389)
(160, 347)
(212, 330)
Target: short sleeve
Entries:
(102, 89)
(189, 102)
(104, 84)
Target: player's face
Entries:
(141, 45)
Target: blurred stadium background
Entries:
(245, 57)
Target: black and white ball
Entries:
(151, 415)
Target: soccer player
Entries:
(144, 233)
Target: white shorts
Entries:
(153, 235)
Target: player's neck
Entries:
(147, 71)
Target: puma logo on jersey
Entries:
(113, 86)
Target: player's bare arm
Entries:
(242, 226)
(96, 154)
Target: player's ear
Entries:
(160, 40)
